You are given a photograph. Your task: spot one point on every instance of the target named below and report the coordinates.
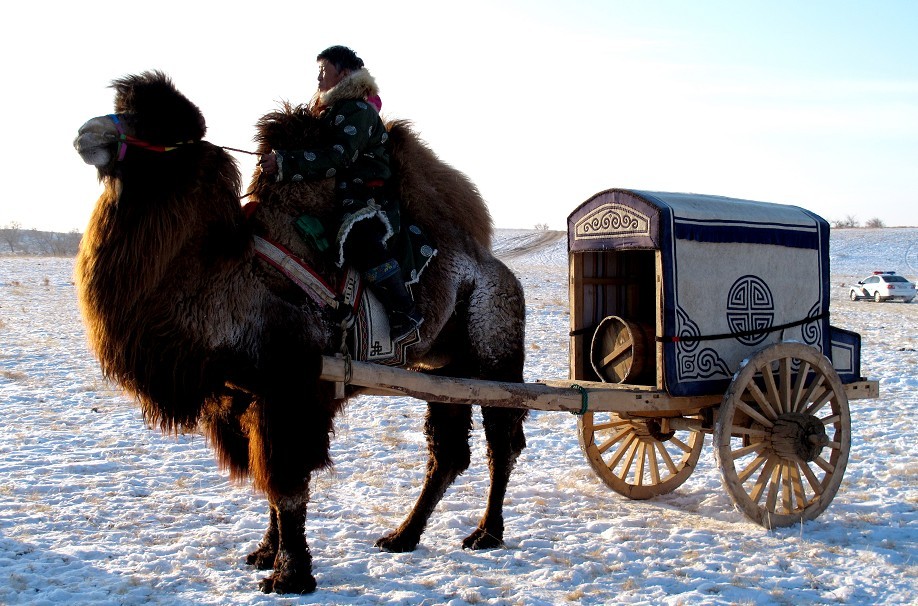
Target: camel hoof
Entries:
(279, 583)
(396, 543)
(482, 539)
(261, 559)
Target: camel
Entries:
(182, 313)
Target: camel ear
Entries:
(162, 113)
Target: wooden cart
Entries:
(691, 315)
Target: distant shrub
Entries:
(847, 222)
(541, 226)
(876, 222)
(34, 242)
(11, 234)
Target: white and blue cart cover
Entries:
(737, 276)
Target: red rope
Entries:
(126, 139)
(150, 146)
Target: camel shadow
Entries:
(35, 574)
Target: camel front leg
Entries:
(264, 555)
(293, 561)
(288, 426)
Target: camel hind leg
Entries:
(496, 325)
(447, 428)
(496, 307)
(504, 433)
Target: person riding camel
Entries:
(355, 152)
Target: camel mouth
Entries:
(95, 142)
(93, 150)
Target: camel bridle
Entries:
(125, 140)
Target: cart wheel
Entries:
(634, 457)
(783, 435)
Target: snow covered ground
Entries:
(97, 509)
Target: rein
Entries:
(342, 304)
(125, 140)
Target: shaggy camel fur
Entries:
(182, 314)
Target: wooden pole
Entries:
(548, 395)
(556, 395)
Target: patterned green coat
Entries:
(355, 152)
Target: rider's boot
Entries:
(388, 285)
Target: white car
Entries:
(884, 286)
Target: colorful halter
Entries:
(124, 140)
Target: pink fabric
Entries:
(375, 101)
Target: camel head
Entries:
(150, 115)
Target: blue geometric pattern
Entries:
(705, 363)
(750, 306)
(812, 332)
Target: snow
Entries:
(97, 509)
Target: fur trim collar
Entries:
(358, 84)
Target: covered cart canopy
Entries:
(729, 277)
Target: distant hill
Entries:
(508, 243)
(852, 251)
(536, 246)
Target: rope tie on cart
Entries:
(742, 333)
(348, 369)
(345, 353)
(588, 330)
(584, 401)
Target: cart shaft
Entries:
(548, 395)
(555, 395)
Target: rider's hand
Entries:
(268, 163)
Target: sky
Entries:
(542, 104)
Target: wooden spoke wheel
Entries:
(783, 435)
(635, 457)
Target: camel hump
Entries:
(440, 198)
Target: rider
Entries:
(355, 152)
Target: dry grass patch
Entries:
(576, 595)
(629, 585)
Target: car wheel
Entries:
(853, 295)
(877, 297)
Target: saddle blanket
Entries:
(370, 340)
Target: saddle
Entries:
(361, 312)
